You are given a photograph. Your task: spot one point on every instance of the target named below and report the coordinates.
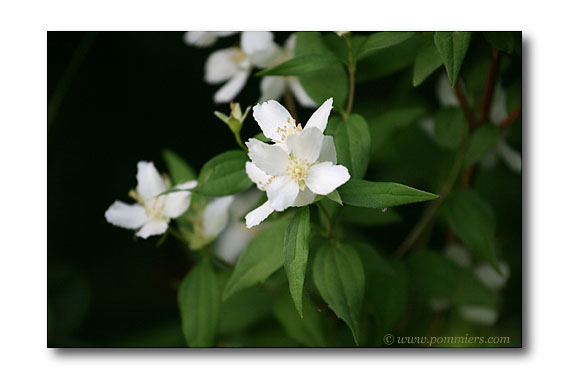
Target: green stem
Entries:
(327, 218)
(432, 209)
(239, 142)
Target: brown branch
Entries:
(464, 105)
(489, 86)
(290, 103)
(512, 117)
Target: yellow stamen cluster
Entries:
(239, 56)
(262, 185)
(297, 170)
(288, 129)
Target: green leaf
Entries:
(296, 251)
(381, 40)
(352, 143)
(374, 263)
(224, 175)
(178, 170)
(261, 137)
(340, 279)
(481, 143)
(386, 124)
(361, 193)
(306, 330)
(472, 219)
(436, 276)
(335, 197)
(339, 47)
(369, 216)
(244, 309)
(301, 65)
(387, 297)
(504, 41)
(450, 127)
(199, 303)
(426, 62)
(262, 257)
(452, 47)
(388, 61)
(327, 82)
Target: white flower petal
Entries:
(232, 241)
(200, 39)
(307, 144)
(445, 93)
(232, 88)
(498, 110)
(479, 314)
(124, 215)
(221, 65)
(224, 34)
(263, 59)
(328, 151)
(282, 192)
(215, 216)
(272, 159)
(305, 197)
(300, 94)
(258, 215)
(257, 176)
(489, 276)
(512, 158)
(243, 203)
(321, 116)
(272, 88)
(252, 42)
(270, 116)
(152, 227)
(149, 181)
(176, 203)
(290, 44)
(325, 177)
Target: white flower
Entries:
(204, 39)
(273, 87)
(153, 211)
(300, 164)
(222, 219)
(233, 65)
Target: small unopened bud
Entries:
(342, 34)
(236, 117)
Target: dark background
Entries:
(124, 98)
(117, 98)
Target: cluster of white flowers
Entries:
(300, 164)
(222, 218)
(233, 66)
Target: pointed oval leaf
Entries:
(381, 40)
(301, 65)
(426, 62)
(324, 83)
(352, 143)
(340, 279)
(452, 47)
(224, 175)
(178, 170)
(262, 257)
(361, 193)
(296, 252)
(199, 303)
(307, 330)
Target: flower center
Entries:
(239, 56)
(288, 129)
(297, 170)
(154, 208)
